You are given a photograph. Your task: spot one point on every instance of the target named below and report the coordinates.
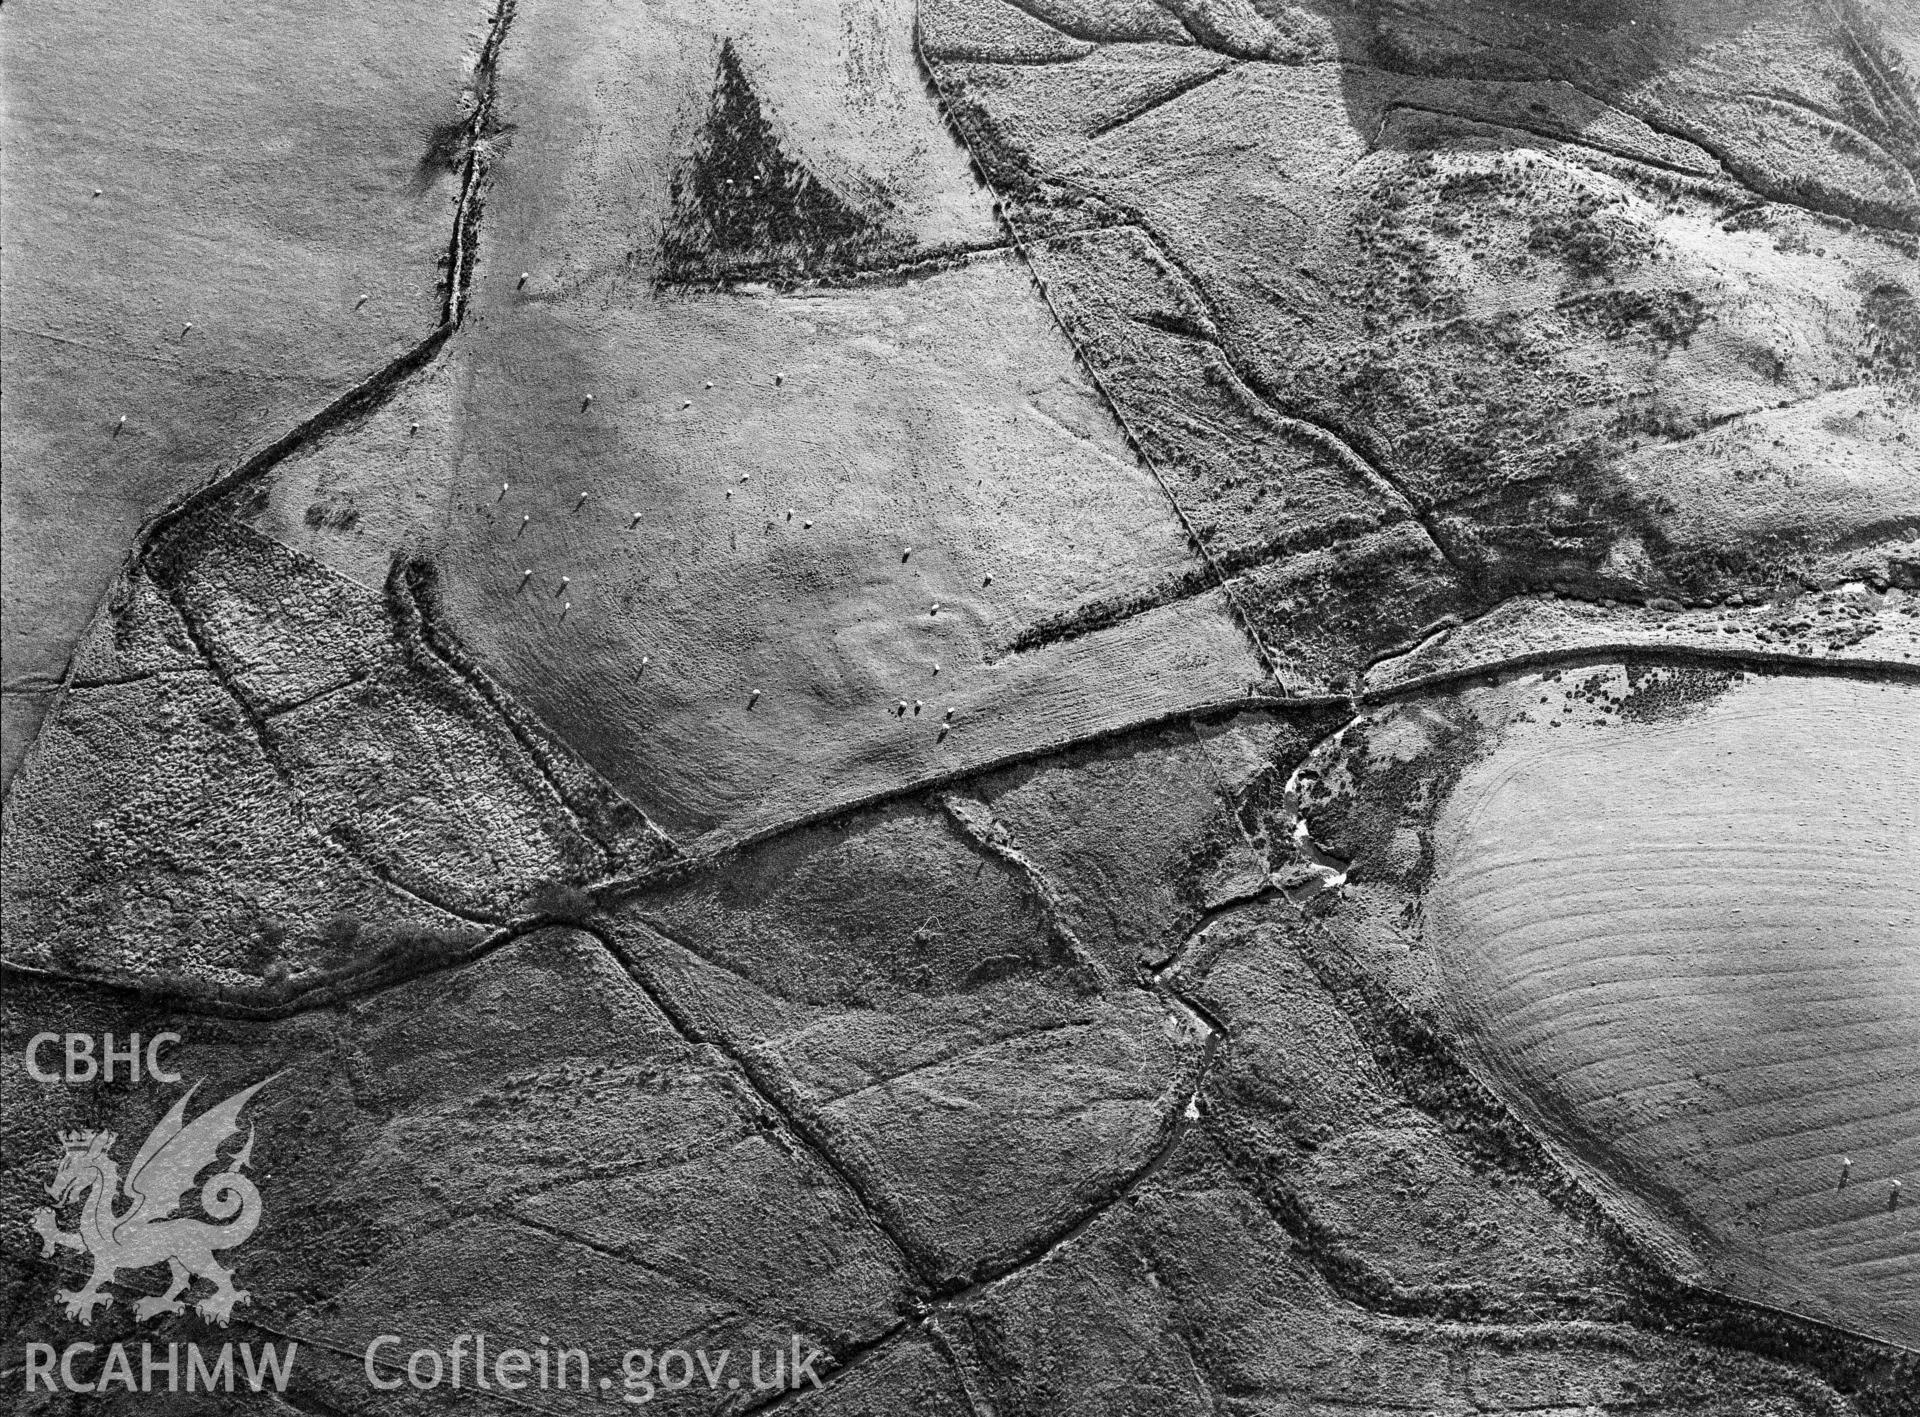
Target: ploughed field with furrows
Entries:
(1692, 949)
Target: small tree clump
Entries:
(561, 900)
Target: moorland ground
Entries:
(1386, 489)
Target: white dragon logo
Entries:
(144, 1234)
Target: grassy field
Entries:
(280, 181)
(935, 450)
(782, 484)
